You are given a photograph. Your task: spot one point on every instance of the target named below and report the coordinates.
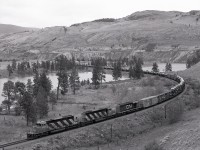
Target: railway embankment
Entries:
(124, 128)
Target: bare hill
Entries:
(193, 72)
(7, 28)
(172, 34)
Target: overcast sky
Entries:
(44, 13)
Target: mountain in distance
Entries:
(172, 36)
(7, 28)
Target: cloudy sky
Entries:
(44, 13)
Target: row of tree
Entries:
(31, 98)
(29, 68)
(168, 67)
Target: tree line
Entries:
(32, 98)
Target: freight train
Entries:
(66, 123)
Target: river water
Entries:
(84, 76)
(54, 80)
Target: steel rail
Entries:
(92, 122)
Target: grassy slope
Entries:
(193, 72)
(123, 128)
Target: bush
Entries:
(153, 146)
(105, 20)
(149, 81)
(113, 87)
(157, 116)
(150, 47)
(174, 112)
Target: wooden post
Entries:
(111, 130)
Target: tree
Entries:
(14, 64)
(135, 69)
(168, 67)
(45, 82)
(35, 67)
(10, 70)
(150, 47)
(52, 66)
(42, 103)
(8, 93)
(117, 70)
(98, 73)
(29, 87)
(155, 67)
(36, 84)
(115, 76)
(60, 66)
(29, 107)
(19, 87)
(74, 80)
(63, 82)
(28, 66)
(131, 72)
(52, 99)
(41, 80)
(19, 91)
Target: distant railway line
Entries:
(88, 118)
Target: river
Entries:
(84, 76)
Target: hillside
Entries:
(173, 34)
(7, 28)
(192, 72)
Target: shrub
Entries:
(105, 20)
(149, 81)
(153, 146)
(150, 47)
(113, 87)
(174, 112)
(157, 116)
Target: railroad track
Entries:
(87, 124)
(13, 143)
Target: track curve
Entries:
(174, 92)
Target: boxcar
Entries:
(145, 102)
(152, 100)
(124, 107)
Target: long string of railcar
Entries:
(73, 127)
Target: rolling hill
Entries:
(171, 35)
(7, 28)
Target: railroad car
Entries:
(126, 107)
(152, 100)
(91, 116)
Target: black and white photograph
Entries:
(99, 75)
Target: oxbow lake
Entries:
(84, 76)
(54, 80)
